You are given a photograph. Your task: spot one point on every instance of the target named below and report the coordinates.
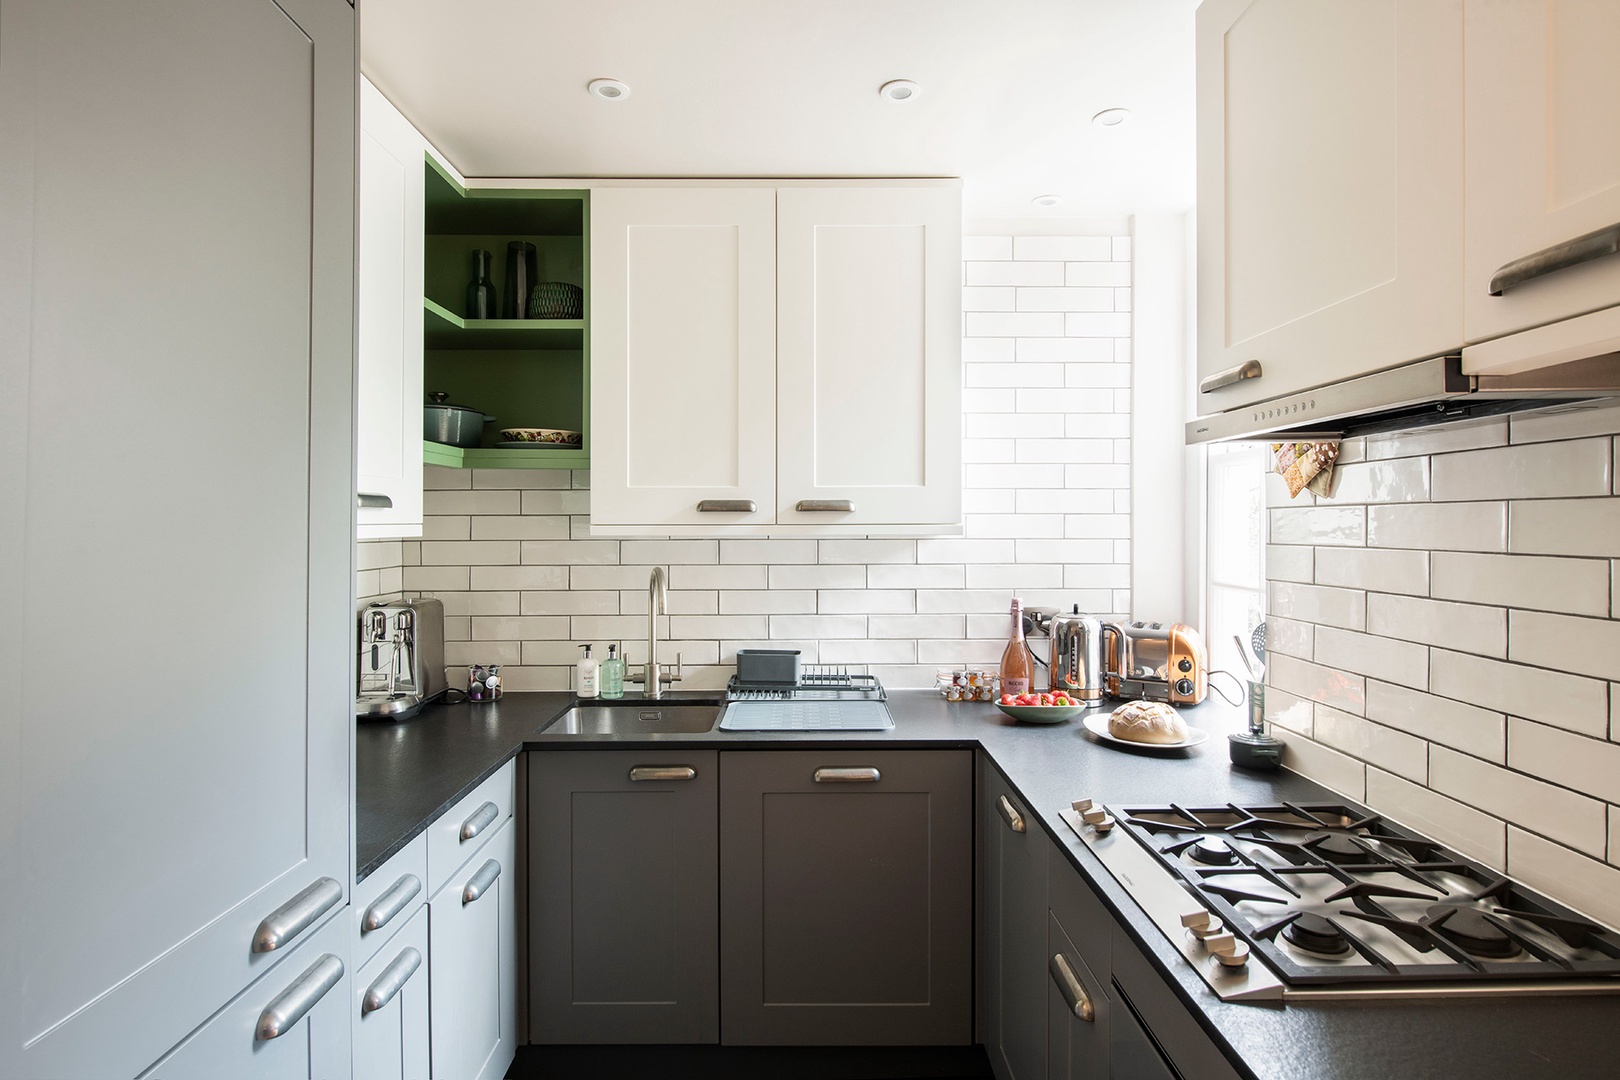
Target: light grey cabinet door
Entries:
(177, 351)
(390, 1000)
(846, 897)
(623, 897)
(1015, 977)
(472, 964)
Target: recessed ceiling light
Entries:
(611, 89)
(1111, 117)
(1047, 200)
(899, 90)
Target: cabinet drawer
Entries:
(390, 997)
(472, 956)
(1170, 1026)
(386, 899)
(1080, 913)
(480, 814)
(1077, 1011)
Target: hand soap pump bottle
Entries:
(585, 675)
(612, 673)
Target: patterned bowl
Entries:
(541, 436)
(557, 300)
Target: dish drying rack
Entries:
(817, 682)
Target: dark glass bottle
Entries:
(522, 262)
(481, 291)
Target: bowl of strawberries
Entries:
(1051, 707)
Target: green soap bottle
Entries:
(613, 674)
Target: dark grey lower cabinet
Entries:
(847, 879)
(623, 897)
(1077, 1011)
(1015, 978)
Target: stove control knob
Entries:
(1096, 816)
(1203, 925)
(1228, 950)
(1081, 805)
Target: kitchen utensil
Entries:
(1078, 651)
(1158, 663)
(401, 659)
(1097, 724)
(482, 302)
(453, 425)
(559, 436)
(521, 271)
(1042, 714)
(1251, 750)
(556, 300)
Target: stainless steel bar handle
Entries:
(368, 501)
(1594, 245)
(727, 506)
(848, 776)
(1068, 984)
(1249, 369)
(1015, 820)
(662, 772)
(295, 916)
(391, 981)
(390, 903)
(291, 1004)
(482, 819)
(825, 506)
(481, 881)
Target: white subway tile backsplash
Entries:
(987, 248)
(1399, 480)
(916, 626)
(906, 576)
(1014, 273)
(435, 502)
(1048, 526)
(715, 627)
(1586, 885)
(869, 651)
(985, 652)
(768, 552)
(956, 550)
(1375, 744)
(1063, 551)
(1018, 476)
(987, 350)
(1287, 563)
(469, 553)
(814, 577)
(1090, 351)
(1535, 471)
(486, 628)
(1468, 728)
(768, 602)
(681, 602)
(866, 601)
(438, 478)
(1569, 422)
(568, 602)
(1328, 767)
(1383, 658)
(1065, 451)
(1097, 273)
(609, 577)
(968, 601)
(1290, 713)
(478, 603)
(1289, 637)
(538, 527)
(1322, 525)
(1576, 586)
(820, 627)
(1016, 425)
(989, 298)
(1013, 577)
(1553, 697)
(1453, 527)
(1096, 376)
(1561, 757)
(1472, 435)
(1337, 689)
(498, 578)
(1065, 248)
(1566, 642)
(1068, 298)
(868, 551)
(570, 501)
(1392, 570)
(571, 552)
(1014, 323)
(447, 527)
(1017, 376)
(436, 578)
(520, 478)
(1463, 627)
(1343, 608)
(1097, 576)
(1566, 527)
(686, 577)
(1475, 834)
(669, 552)
(1560, 815)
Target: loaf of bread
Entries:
(1147, 722)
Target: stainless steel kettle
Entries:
(1078, 663)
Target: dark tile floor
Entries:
(749, 1063)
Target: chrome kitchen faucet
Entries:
(657, 604)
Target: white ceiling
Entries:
(789, 88)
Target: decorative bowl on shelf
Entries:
(540, 436)
(557, 300)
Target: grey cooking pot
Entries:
(454, 425)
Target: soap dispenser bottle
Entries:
(612, 673)
(585, 675)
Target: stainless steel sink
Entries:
(635, 718)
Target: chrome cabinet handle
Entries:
(481, 882)
(819, 506)
(1015, 820)
(727, 506)
(390, 903)
(1594, 245)
(662, 772)
(391, 981)
(292, 1003)
(295, 916)
(482, 818)
(1249, 369)
(848, 776)
(1068, 984)
(373, 502)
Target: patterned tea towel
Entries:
(1305, 464)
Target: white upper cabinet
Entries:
(389, 319)
(869, 352)
(783, 360)
(1543, 158)
(1329, 190)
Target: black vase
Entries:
(481, 290)
(522, 270)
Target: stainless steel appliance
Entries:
(453, 425)
(1078, 662)
(826, 698)
(1319, 902)
(401, 660)
(1158, 663)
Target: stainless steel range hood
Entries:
(1412, 396)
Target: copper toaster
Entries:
(1157, 663)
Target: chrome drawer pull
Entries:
(848, 776)
(662, 772)
(1249, 369)
(1015, 820)
(1594, 245)
(281, 1014)
(481, 882)
(480, 821)
(727, 506)
(830, 506)
(373, 502)
(391, 981)
(1068, 984)
(295, 916)
(390, 903)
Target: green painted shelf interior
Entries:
(525, 372)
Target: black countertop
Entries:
(409, 773)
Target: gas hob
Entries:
(1319, 900)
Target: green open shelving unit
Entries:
(524, 372)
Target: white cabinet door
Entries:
(683, 356)
(869, 356)
(292, 1024)
(472, 953)
(390, 1000)
(389, 319)
(1329, 189)
(176, 240)
(1543, 161)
